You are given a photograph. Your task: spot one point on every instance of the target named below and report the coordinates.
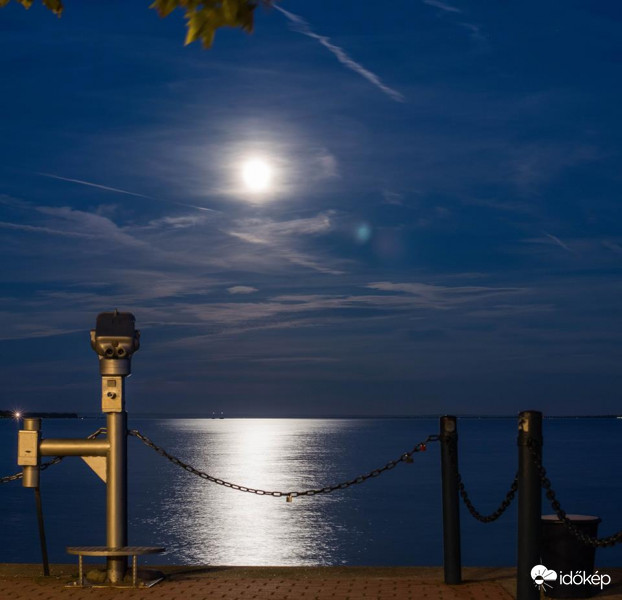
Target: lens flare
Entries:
(363, 233)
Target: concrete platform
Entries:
(25, 582)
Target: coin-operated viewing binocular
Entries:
(115, 339)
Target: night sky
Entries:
(439, 229)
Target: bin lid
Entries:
(581, 518)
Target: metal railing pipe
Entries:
(74, 447)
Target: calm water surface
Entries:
(392, 520)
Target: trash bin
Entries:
(565, 554)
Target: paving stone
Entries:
(277, 584)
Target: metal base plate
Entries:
(142, 581)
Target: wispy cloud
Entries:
(95, 225)
(266, 230)
(284, 238)
(475, 31)
(177, 222)
(442, 297)
(297, 359)
(561, 244)
(535, 164)
(242, 289)
(301, 26)
(392, 197)
(548, 239)
(328, 166)
(613, 246)
(47, 230)
(442, 5)
(71, 223)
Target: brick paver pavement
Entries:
(24, 582)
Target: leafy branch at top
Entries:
(203, 17)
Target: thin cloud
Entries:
(284, 237)
(442, 5)
(328, 166)
(267, 231)
(613, 246)
(297, 359)
(392, 197)
(78, 221)
(475, 32)
(48, 230)
(242, 289)
(559, 242)
(442, 297)
(301, 26)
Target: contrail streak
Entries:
(301, 26)
(126, 192)
(95, 185)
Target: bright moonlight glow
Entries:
(257, 175)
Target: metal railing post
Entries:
(529, 503)
(452, 561)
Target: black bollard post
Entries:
(451, 502)
(529, 503)
(44, 546)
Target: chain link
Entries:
(610, 540)
(505, 503)
(405, 457)
(49, 463)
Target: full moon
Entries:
(257, 175)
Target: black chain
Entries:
(610, 540)
(509, 497)
(49, 463)
(406, 457)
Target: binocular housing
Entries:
(115, 339)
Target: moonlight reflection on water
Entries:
(222, 526)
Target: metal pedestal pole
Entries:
(116, 494)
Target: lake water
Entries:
(394, 519)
